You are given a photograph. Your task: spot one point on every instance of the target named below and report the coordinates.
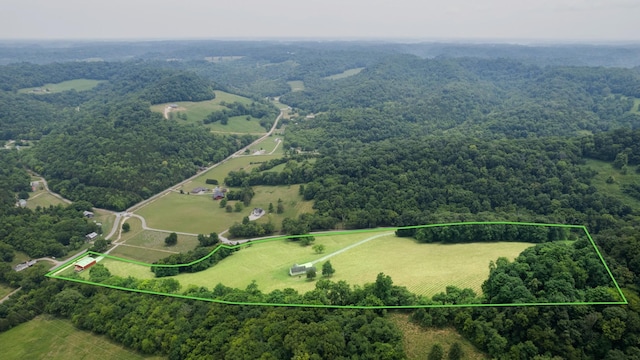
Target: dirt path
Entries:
(326, 257)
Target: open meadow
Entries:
(198, 111)
(140, 254)
(50, 338)
(44, 200)
(344, 74)
(418, 341)
(296, 85)
(200, 214)
(77, 85)
(424, 269)
(605, 170)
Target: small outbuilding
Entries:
(296, 269)
(199, 190)
(84, 263)
(87, 214)
(91, 236)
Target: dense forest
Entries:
(423, 134)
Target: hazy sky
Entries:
(418, 19)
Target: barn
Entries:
(84, 263)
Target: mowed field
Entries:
(43, 199)
(197, 111)
(50, 338)
(296, 85)
(200, 214)
(344, 74)
(77, 85)
(424, 269)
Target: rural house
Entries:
(199, 190)
(300, 269)
(218, 193)
(87, 214)
(91, 236)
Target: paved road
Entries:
(236, 154)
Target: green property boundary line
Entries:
(52, 273)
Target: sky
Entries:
(507, 20)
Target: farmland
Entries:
(296, 85)
(198, 111)
(77, 85)
(425, 269)
(52, 338)
(200, 214)
(344, 74)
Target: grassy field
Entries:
(418, 341)
(268, 144)
(124, 269)
(143, 255)
(296, 85)
(44, 200)
(5, 290)
(636, 106)
(106, 218)
(155, 240)
(433, 266)
(77, 85)
(197, 111)
(50, 338)
(606, 169)
(344, 74)
(199, 214)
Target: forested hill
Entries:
(104, 145)
(475, 96)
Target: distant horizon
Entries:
(503, 21)
(398, 40)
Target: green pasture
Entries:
(50, 338)
(197, 111)
(220, 171)
(268, 145)
(238, 124)
(296, 85)
(43, 199)
(268, 264)
(139, 254)
(125, 269)
(424, 269)
(77, 85)
(606, 169)
(106, 218)
(135, 229)
(155, 240)
(344, 74)
(418, 341)
(200, 214)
